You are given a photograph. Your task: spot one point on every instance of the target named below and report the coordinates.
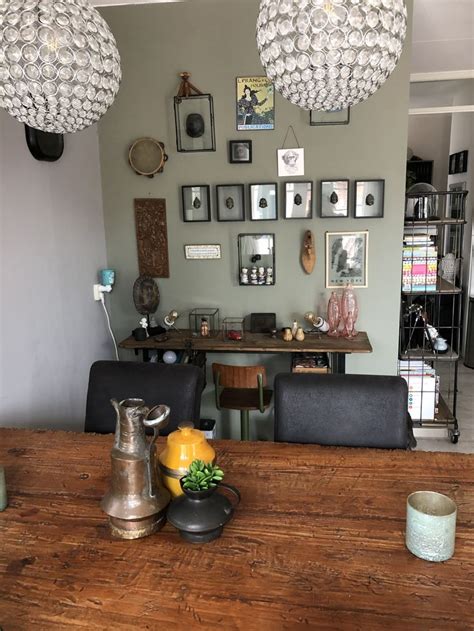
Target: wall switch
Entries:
(97, 292)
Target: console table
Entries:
(180, 340)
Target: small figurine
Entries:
(235, 336)
(287, 335)
(253, 276)
(204, 327)
(299, 334)
(269, 276)
(294, 328)
(244, 276)
(261, 276)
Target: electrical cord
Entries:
(102, 300)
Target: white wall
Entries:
(51, 245)
(429, 138)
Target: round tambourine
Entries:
(146, 295)
(147, 156)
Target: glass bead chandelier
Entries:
(59, 64)
(330, 54)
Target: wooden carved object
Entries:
(152, 237)
(308, 252)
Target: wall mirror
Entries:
(256, 259)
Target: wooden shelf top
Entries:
(442, 287)
(253, 343)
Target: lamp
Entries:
(59, 64)
(170, 319)
(330, 54)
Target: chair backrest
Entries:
(344, 410)
(178, 386)
(239, 376)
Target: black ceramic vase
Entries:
(200, 516)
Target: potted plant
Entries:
(201, 513)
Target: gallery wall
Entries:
(216, 43)
(51, 245)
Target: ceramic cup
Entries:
(431, 525)
(107, 276)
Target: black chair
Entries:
(343, 410)
(178, 386)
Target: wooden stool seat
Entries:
(244, 398)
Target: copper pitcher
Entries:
(136, 501)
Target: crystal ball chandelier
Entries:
(330, 54)
(59, 64)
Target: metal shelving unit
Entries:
(431, 307)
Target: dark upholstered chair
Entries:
(344, 410)
(178, 386)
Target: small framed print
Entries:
(346, 259)
(290, 162)
(263, 202)
(369, 199)
(298, 200)
(338, 117)
(240, 151)
(196, 202)
(461, 161)
(194, 121)
(230, 200)
(334, 198)
(204, 252)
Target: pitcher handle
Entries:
(233, 490)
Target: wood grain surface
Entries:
(254, 343)
(152, 237)
(317, 542)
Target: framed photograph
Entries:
(290, 162)
(452, 164)
(196, 202)
(194, 121)
(369, 199)
(240, 151)
(338, 117)
(346, 258)
(461, 161)
(298, 200)
(255, 103)
(230, 200)
(263, 202)
(334, 198)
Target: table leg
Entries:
(339, 363)
(244, 425)
(146, 355)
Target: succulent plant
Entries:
(202, 476)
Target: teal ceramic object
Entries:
(431, 525)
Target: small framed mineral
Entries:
(230, 201)
(298, 200)
(334, 198)
(263, 202)
(369, 199)
(196, 202)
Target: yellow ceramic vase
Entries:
(182, 447)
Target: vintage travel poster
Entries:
(255, 103)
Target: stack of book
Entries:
(423, 388)
(420, 263)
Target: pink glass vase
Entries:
(349, 309)
(334, 314)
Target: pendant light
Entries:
(330, 54)
(59, 64)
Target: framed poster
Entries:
(255, 103)
(347, 258)
(196, 202)
(263, 202)
(298, 200)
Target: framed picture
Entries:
(290, 162)
(255, 103)
(240, 151)
(346, 258)
(263, 202)
(298, 200)
(461, 161)
(334, 198)
(338, 117)
(456, 201)
(194, 121)
(369, 199)
(196, 202)
(452, 164)
(256, 259)
(230, 202)
(202, 252)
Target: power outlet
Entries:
(97, 292)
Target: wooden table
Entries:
(255, 343)
(317, 542)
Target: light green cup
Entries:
(431, 525)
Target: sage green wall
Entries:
(215, 41)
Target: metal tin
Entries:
(431, 525)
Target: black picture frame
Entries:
(461, 161)
(225, 211)
(194, 123)
(369, 199)
(337, 208)
(452, 164)
(242, 147)
(320, 119)
(257, 258)
(192, 212)
(292, 206)
(259, 192)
